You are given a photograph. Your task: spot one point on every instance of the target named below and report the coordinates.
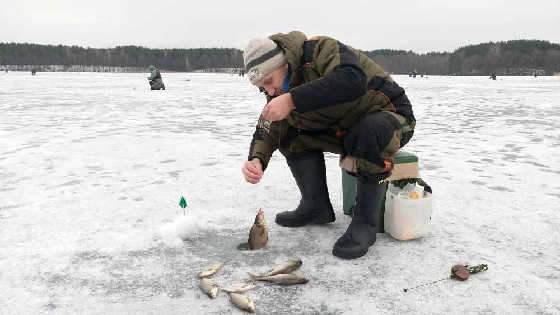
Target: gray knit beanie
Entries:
(261, 57)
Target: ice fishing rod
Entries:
(458, 272)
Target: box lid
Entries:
(405, 157)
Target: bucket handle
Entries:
(414, 180)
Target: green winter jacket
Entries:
(332, 86)
(156, 82)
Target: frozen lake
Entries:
(92, 167)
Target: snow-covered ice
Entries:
(92, 167)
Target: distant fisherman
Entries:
(324, 96)
(156, 83)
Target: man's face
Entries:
(272, 82)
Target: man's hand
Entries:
(252, 171)
(279, 107)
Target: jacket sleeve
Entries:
(263, 143)
(342, 78)
(153, 75)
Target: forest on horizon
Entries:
(514, 57)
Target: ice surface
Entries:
(92, 167)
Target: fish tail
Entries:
(253, 277)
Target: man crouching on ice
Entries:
(324, 96)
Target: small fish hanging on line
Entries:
(183, 204)
(458, 272)
(258, 235)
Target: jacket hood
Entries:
(292, 45)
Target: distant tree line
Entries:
(402, 62)
(120, 56)
(510, 57)
(506, 57)
(514, 57)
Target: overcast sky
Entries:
(422, 26)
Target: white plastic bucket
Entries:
(407, 218)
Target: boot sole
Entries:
(289, 223)
(348, 255)
(343, 252)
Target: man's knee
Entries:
(381, 125)
(371, 136)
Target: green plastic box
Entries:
(406, 166)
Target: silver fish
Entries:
(286, 267)
(209, 287)
(258, 236)
(243, 302)
(239, 287)
(210, 270)
(283, 278)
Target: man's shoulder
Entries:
(319, 42)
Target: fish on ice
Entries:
(209, 287)
(243, 302)
(239, 287)
(283, 278)
(287, 267)
(210, 270)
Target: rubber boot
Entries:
(315, 205)
(361, 232)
